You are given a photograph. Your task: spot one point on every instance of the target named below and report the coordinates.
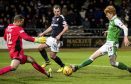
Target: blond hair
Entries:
(56, 7)
(110, 9)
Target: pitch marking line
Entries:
(100, 66)
(76, 64)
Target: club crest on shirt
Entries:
(9, 29)
(54, 24)
(57, 19)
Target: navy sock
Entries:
(44, 54)
(58, 61)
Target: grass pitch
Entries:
(99, 72)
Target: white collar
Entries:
(113, 17)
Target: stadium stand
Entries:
(85, 17)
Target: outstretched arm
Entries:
(26, 37)
(46, 31)
(125, 29)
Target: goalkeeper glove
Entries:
(40, 39)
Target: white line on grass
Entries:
(100, 66)
(74, 64)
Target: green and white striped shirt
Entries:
(114, 29)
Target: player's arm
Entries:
(26, 37)
(125, 29)
(64, 30)
(46, 31)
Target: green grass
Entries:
(99, 72)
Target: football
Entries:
(67, 70)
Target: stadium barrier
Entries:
(70, 42)
(83, 41)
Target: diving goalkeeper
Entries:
(13, 35)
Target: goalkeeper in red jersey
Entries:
(13, 35)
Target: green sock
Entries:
(85, 63)
(122, 66)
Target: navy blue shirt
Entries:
(57, 25)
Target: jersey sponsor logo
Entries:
(54, 25)
(57, 19)
(121, 24)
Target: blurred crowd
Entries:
(88, 13)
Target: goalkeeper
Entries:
(13, 35)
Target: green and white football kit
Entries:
(112, 42)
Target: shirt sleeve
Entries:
(118, 23)
(25, 36)
(122, 26)
(63, 20)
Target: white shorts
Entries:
(109, 47)
(53, 44)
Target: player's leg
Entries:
(43, 53)
(57, 60)
(91, 59)
(54, 46)
(88, 61)
(13, 66)
(38, 67)
(119, 65)
(112, 55)
(101, 51)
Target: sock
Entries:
(44, 54)
(39, 68)
(5, 70)
(122, 66)
(85, 63)
(58, 61)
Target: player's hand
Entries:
(58, 37)
(105, 33)
(40, 40)
(126, 41)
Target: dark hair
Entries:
(19, 17)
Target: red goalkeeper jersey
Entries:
(14, 35)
